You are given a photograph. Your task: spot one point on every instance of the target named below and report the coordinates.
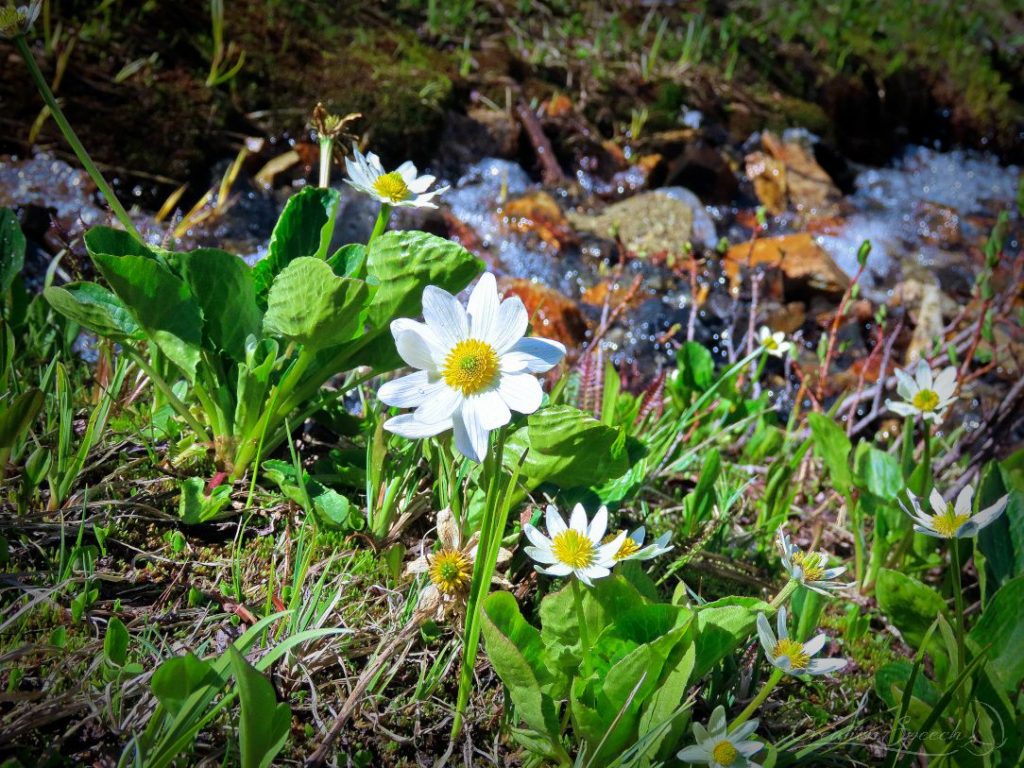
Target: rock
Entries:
(803, 263)
(938, 224)
(539, 213)
(649, 224)
(502, 128)
(910, 293)
(928, 324)
(769, 178)
(807, 187)
(614, 293)
(552, 315)
(788, 318)
(703, 230)
(706, 171)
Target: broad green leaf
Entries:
(569, 448)
(404, 263)
(12, 250)
(1002, 542)
(178, 678)
(222, 285)
(666, 700)
(721, 627)
(695, 367)
(909, 604)
(94, 308)
(254, 383)
(1002, 626)
(878, 472)
(115, 242)
(115, 642)
(311, 306)
(160, 302)
(17, 415)
(264, 723)
(832, 446)
(196, 507)
(348, 261)
(517, 655)
(304, 229)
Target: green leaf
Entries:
(115, 643)
(254, 383)
(17, 415)
(721, 627)
(1002, 626)
(223, 286)
(304, 229)
(196, 507)
(909, 604)
(115, 242)
(264, 722)
(695, 366)
(878, 472)
(891, 682)
(348, 260)
(832, 446)
(94, 308)
(12, 250)
(311, 306)
(160, 302)
(666, 700)
(178, 678)
(569, 448)
(404, 263)
(517, 655)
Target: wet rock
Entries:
(552, 314)
(927, 323)
(706, 171)
(649, 224)
(803, 263)
(502, 129)
(538, 212)
(703, 229)
(787, 173)
(938, 224)
(788, 318)
(768, 176)
(613, 293)
(910, 294)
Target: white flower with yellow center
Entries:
(16, 20)
(633, 548)
(576, 549)
(401, 188)
(775, 344)
(475, 367)
(792, 656)
(718, 748)
(809, 568)
(450, 568)
(924, 394)
(949, 520)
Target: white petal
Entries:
(407, 425)
(640, 534)
(558, 569)
(987, 515)
(905, 384)
(765, 634)
(409, 391)
(489, 409)
(815, 644)
(824, 666)
(541, 555)
(420, 184)
(901, 409)
(716, 725)
(945, 383)
(533, 354)
(407, 171)
(520, 391)
(442, 404)
(536, 538)
(963, 504)
(693, 754)
(938, 503)
(597, 527)
(483, 307)
(578, 519)
(928, 531)
(554, 522)
(748, 748)
(741, 733)
(605, 554)
(445, 316)
(470, 435)
(417, 344)
(780, 624)
(510, 326)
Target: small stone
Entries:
(801, 260)
(647, 225)
(552, 315)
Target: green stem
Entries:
(581, 619)
(784, 594)
(69, 134)
(382, 222)
(172, 398)
(958, 600)
(758, 700)
(857, 523)
(326, 150)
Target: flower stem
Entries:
(581, 619)
(69, 134)
(958, 601)
(326, 150)
(383, 217)
(784, 594)
(758, 700)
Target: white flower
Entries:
(923, 394)
(808, 568)
(775, 344)
(575, 549)
(16, 20)
(475, 367)
(718, 748)
(633, 545)
(950, 520)
(791, 656)
(401, 188)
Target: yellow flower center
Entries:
(925, 400)
(724, 753)
(628, 547)
(9, 19)
(771, 343)
(948, 523)
(391, 186)
(471, 366)
(450, 571)
(573, 548)
(811, 564)
(793, 651)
